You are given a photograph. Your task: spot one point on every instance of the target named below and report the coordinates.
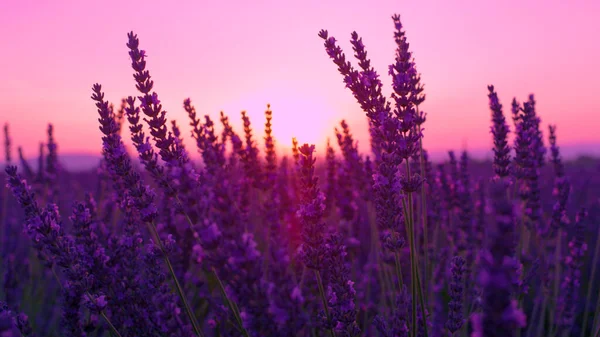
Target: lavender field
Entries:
(323, 241)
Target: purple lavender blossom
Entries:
(539, 150)
(16, 274)
(500, 132)
(14, 324)
(251, 160)
(341, 293)
(466, 209)
(527, 166)
(51, 172)
(237, 151)
(270, 153)
(28, 172)
(562, 187)
(197, 131)
(311, 211)
(119, 162)
(7, 144)
(150, 104)
(145, 150)
(479, 225)
(332, 170)
(497, 275)
(40, 178)
(351, 173)
(399, 326)
(455, 312)
(566, 307)
(46, 231)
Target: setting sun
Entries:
(295, 114)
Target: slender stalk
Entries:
(389, 281)
(596, 324)
(366, 312)
(376, 244)
(542, 320)
(466, 308)
(178, 287)
(424, 220)
(422, 302)
(591, 284)
(398, 269)
(413, 275)
(230, 304)
(521, 244)
(385, 279)
(89, 296)
(323, 299)
(556, 280)
(534, 316)
(267, 258)
(3, 216)
(413, 325)
(110, 325)
(57, 278)
(415, 279)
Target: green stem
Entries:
(230, 304)
(323, 299)
(415, 280)
(556, 280)
(376, 244)
(367, 300)
(542, 320)
(590, 284)
(421, 302)
(3, 213)
(267, 259)
(110, 325)
(534, 317)
(424, 220)
(413, 326)
(89, 296)
(389, 281)
(596, 324)
(398, 269)
(178, 287)
(413, 274)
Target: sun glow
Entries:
(308, 120)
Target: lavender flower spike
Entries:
(311, 211)
(500, 131)
(500, 316)
(562, 186)
(341, 289)
(150, 104)
(566, 308)
(7, 143)
(455, 315)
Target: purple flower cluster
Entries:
(499, 314)
(500, 132)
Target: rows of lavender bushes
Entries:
(247, 244)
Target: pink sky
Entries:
(240, 55)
